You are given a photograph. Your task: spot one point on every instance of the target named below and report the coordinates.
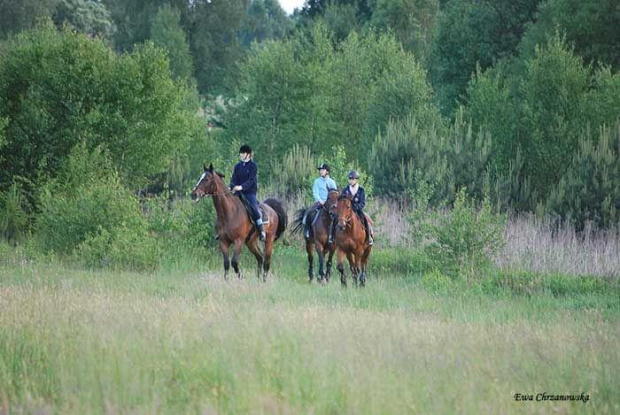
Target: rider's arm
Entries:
(252, 180)
(316, 191)
(361, 204)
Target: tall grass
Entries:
(73, 341)
(532, 244)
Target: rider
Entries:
(358, 202)
(245, 180)
(320, 188)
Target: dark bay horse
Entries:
(350, 240)
(319, 234)
(234, 226)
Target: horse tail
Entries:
(278, 206)
(298, 221)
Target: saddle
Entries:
(248, 209)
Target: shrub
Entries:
(13, 214)
(466, 239)
(87, 211)
(121, 248)
(437, 282)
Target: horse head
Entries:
(332, 201)
(344, 211)
(207, 185)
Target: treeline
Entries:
(517, 102)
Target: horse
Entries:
(319, 235)
(234, 226)
(350, 240)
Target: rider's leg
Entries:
(256, 215)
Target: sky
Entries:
(290, 5)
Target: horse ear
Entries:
(205, 167)
(211, 167)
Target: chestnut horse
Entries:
(350, 239)
(319, 234)
(234, 227)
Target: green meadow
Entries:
(183, 340)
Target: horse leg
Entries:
(320, 250)
(235, 259)
(255, 249)
(225, 248)
(330, 256)
(364, 261)
(352, 266)
(309, 250)
(268, 250)
(340, 266)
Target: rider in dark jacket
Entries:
(245, 180)
(358, 202)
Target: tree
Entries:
(592, 27)
(412, 21)
(473, 32)
(590, 188)
(23, 14)
(536, 114)
(264, 20)
(215, 44)
(88, 16)
(61, 88)
(167, 33)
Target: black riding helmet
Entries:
(353, 175)
(245, 149)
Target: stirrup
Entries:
(262, 235)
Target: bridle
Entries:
(225, 192)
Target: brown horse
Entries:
(234, 226)
(350, 238)
(319, 234)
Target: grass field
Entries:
(184, 341)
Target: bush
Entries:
(123, 248)
(13, 214)
(61, 88)
(437, 282)
(87, 211)
(466, 239)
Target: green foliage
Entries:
(123, 248)
(590, 188)
(414, 23)
(340, 168)
(535, 114)
(88, 212)
(181, 224)
(472, 33)
(295, 172)
(591, 26)
(306, 92)
(437, 282)
(215, 44)
(341, 19)
(13, 214)
(16, 16)
(60, 88)
(408, 156)
(87, 16)
(264, 20)
(167, 33)
(467, 239)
